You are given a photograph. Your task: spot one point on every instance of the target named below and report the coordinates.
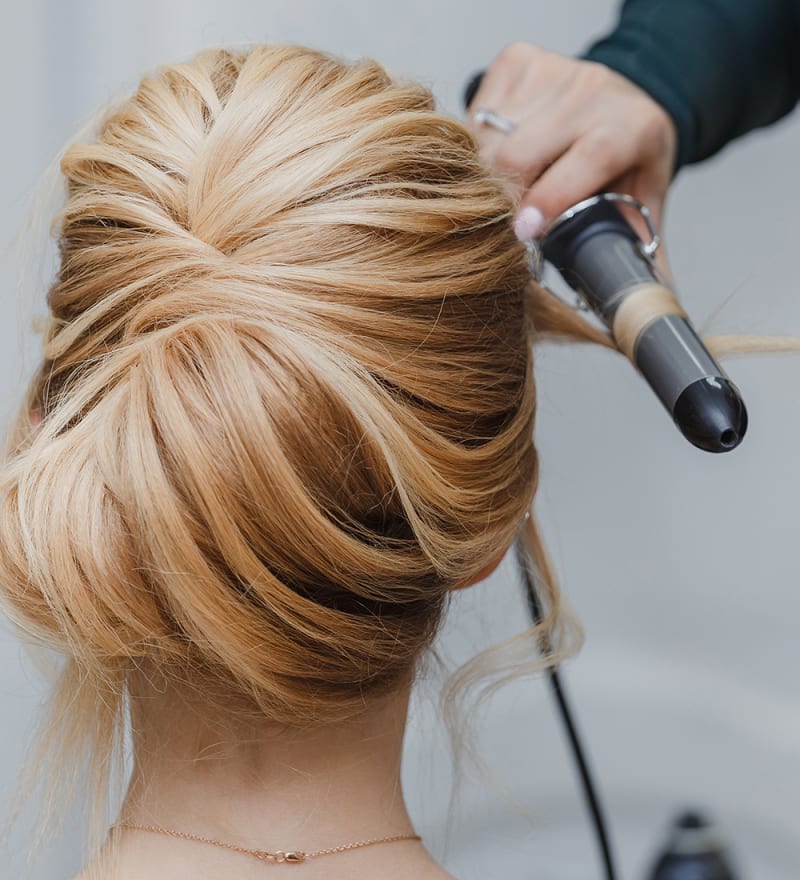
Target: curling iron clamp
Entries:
(600, 256)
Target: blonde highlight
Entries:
(286, 402)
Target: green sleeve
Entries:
(719, 67)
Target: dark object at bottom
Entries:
(693, 852)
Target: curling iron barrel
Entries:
(598, 253)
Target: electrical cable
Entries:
(590, 793)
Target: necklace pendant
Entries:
(294, 856)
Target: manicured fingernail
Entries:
(528, 223)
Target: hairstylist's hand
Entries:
(581, 128)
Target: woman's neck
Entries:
(283, 790)
(267, 789)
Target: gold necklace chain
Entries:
(293, 856)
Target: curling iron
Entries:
(600, 256)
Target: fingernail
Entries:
(528, 223)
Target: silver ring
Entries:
(485, 116)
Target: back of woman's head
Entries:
(286, 401)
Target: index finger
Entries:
(579, 173)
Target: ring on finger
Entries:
(487, 116)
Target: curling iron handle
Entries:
(472, 88)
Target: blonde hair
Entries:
(286, 399)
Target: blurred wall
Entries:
(682, 566)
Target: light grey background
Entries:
(682, 566)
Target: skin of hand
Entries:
(580, 128)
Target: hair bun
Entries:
(276, 427)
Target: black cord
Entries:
(584, 772)
(590, 793)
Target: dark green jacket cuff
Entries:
(719, 67)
